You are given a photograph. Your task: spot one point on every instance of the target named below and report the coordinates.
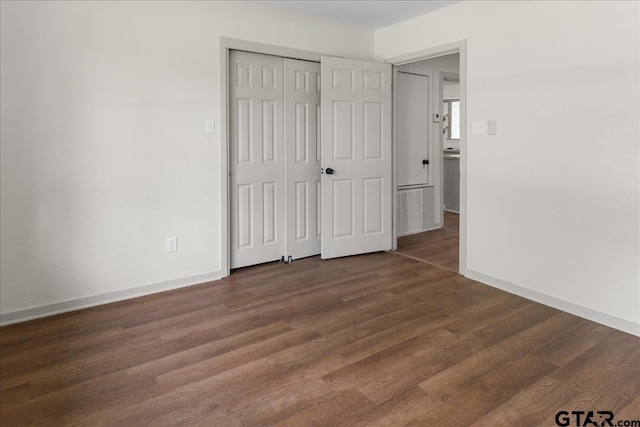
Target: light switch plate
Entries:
(210, 126)
(436, 117)
(479, 127)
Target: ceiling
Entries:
(364, 14)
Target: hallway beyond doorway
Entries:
(438, 247)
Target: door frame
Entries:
(459, 47)
(442, 77)
(225, 46)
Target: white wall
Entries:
(553, 199)
(104, 154)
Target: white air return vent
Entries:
(409, 211)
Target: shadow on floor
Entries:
(438, 247)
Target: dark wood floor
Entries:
(370, 340)
(437, 247)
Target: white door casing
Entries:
(302, 158)
(256, 158)
(412, 132)
(356, 144)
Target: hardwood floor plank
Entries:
(347, 406)
(365, 370)
(437, 247)
(377, 339)
(385, 339)
(573, 343)
(392, 382)
(452, 379)
(208, 351)
(488, 392)
(530, 406)
(630, 412)
(229, 360)
(400, 410)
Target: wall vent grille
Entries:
(409, 211)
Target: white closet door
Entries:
(356, 157)
(302, 158)
(412, 120)
(256, 163)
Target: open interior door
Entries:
(356, 157)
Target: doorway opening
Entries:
(429, 141)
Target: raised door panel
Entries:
(301, 214)
(269, 130)
(373, 132)
(343, 214)
(344, 131)
(245, 208)
(374, 202)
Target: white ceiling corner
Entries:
(364, 14)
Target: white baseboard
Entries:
(92, 301)
(411, 233)
(435, 227)
(551, 301)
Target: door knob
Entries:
(329, 171)
(425, 162)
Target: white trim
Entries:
(416, 71)
(442, 77)
(438, 226)
(225, 45)
(106, 298)
(560, 304)
(462, 265)
(434, 52)
(225, 241)
(447, 49)
(394, 159)
(414, 186)
(267, 49)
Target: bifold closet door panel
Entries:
(302, 158)
(256, 158)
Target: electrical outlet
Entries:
(210, 126)
(172, 244)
